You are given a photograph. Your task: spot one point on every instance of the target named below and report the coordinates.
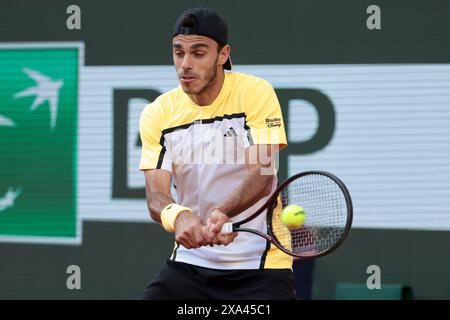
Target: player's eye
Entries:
(199, 54)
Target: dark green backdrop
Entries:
(117, 259)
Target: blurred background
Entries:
(369, 105)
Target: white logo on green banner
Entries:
(38, 143)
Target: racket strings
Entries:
(325, 211)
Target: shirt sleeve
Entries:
(154, 153)
(264, 117)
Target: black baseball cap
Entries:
(205, 22)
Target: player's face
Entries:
(196, 61)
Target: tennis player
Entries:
(216, 138)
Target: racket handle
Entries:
(227, 228)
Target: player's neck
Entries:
(207, 96)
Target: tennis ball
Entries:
(293, 216)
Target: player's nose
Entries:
(186, 62)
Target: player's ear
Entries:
(224, 53)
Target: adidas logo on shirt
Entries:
(230, 133)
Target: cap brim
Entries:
(228, 64)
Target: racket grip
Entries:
(227, 228)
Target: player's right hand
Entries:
(188, 230)
(214, 224)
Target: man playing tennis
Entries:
(215, 137)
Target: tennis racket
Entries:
(328, 210)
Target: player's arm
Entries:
(260, 164)
(156, 163)
(257, 182)
(157, 188)
(187, 226)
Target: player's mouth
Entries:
(187, 79)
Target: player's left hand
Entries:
(213, 228)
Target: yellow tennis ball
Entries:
(293, 216)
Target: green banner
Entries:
(38, 144)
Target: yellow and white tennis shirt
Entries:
(204, 149)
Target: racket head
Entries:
(328, 214)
